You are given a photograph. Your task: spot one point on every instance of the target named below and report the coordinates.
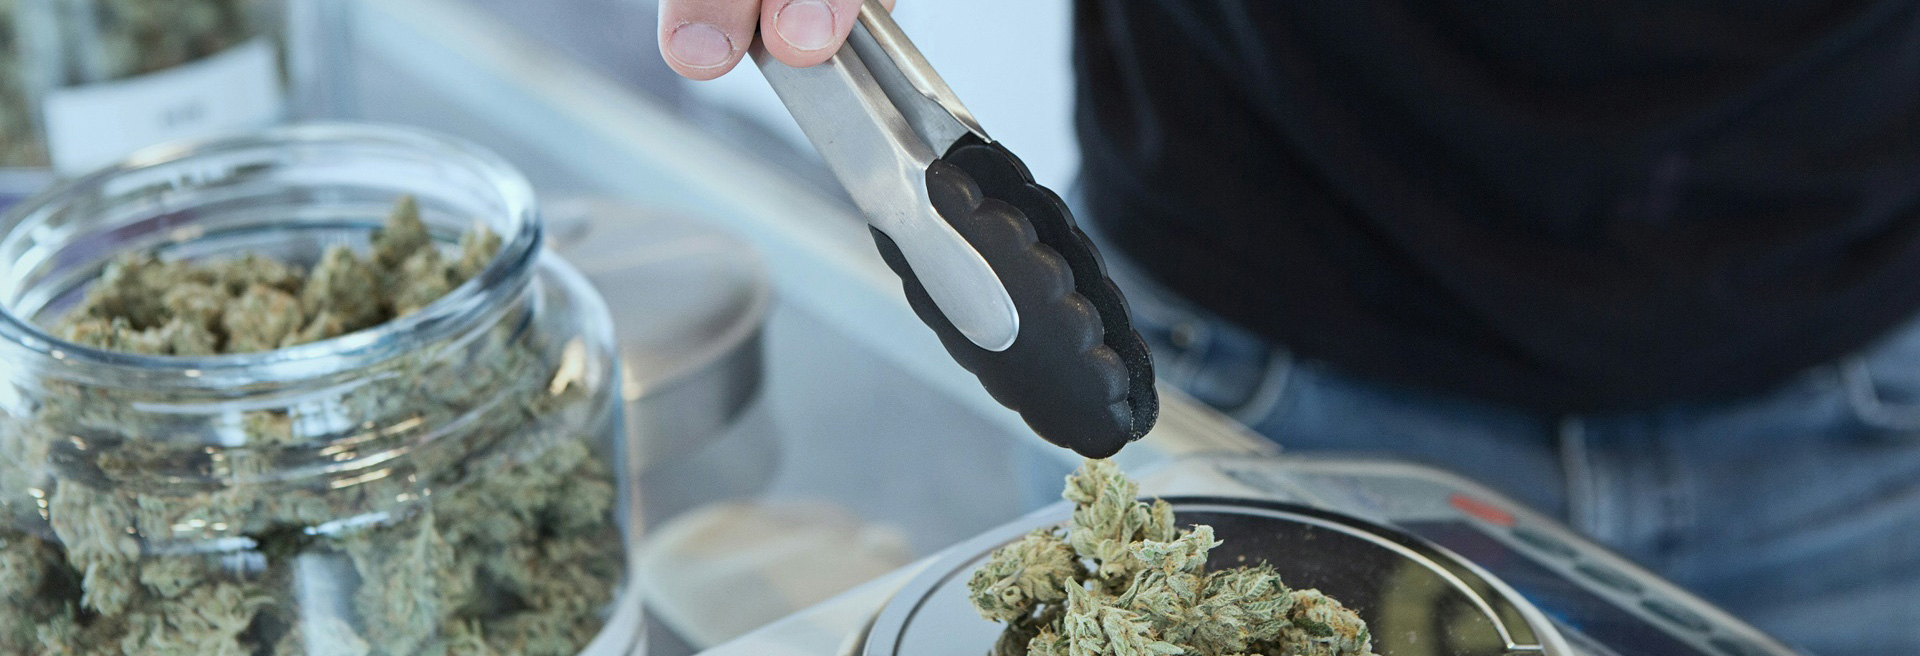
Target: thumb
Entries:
(802, 33)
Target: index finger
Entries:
(703, 39)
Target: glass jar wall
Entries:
(449, 482)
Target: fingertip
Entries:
(700, 74)
(699, 50)
(806, 32)
(803, 59)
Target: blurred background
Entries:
(1008, 59)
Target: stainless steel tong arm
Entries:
(923, 97)
(879, 117)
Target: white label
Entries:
(97, 124)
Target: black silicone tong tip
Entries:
(1078, 373)
(1002, 175)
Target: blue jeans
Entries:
(1797, 510)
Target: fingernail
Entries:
(805, 24)
(699, 45)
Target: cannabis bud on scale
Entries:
(1121, 580)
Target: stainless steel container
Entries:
(689, 303)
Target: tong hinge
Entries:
(880, 116)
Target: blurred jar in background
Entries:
(85, 82)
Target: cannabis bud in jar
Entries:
(1121, 580)
(456, 499)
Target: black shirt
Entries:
(1565, 205)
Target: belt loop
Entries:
(1266, 398)
(1583, 494)
(1863, 395)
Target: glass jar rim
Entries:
(463, 306)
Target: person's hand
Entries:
(703, 39)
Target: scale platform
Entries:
(1436, 564)
(1415, 597)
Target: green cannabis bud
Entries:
(496, 537)
(1123, 580)
(1036, 570)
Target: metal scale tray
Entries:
(1416, 597)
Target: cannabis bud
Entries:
(1124, 581)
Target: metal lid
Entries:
(688, 301)
(1417, 598)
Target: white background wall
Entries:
(1007, 59)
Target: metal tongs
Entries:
(988, 258)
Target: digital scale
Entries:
(1436, 564)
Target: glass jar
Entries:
(449, 482)
(84, 82)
